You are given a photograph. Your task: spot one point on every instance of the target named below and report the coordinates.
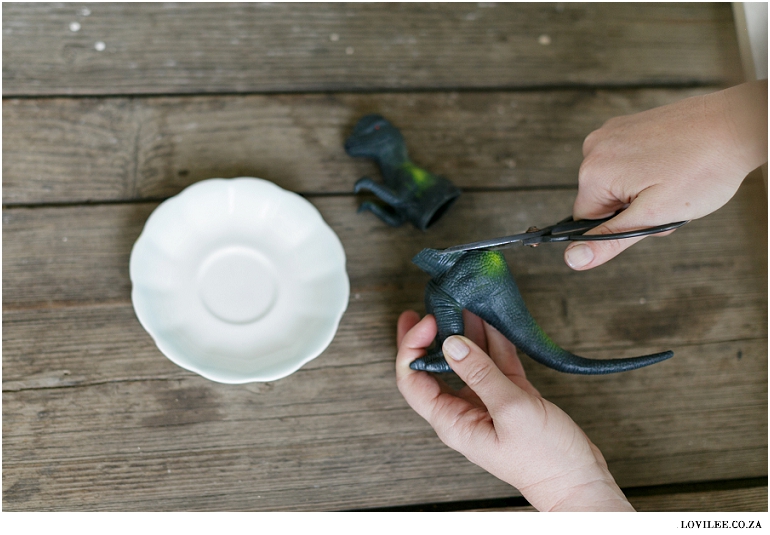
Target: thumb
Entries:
(480, 373)
(583, 255)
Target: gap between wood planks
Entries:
(311, 194)
(715, 84)
(153, 145)
(23, 386)
(519, 502)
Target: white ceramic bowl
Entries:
(239, 280)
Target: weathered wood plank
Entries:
(706, 282)
(339, 436)
(94, 416)
(116, 149)
(711, 501)
(120, 48)
(714, 501)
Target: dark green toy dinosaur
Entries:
(481, 282)
(410, 193)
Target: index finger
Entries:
(420, 389)
(407, 320)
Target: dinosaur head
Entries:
(374, 137)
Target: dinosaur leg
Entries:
(386, 213)
(449, 320)
(384, 193)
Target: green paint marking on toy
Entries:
(493, 264)
(480, 282)
(408, 192)
(422, 178)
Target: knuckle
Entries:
(610, 248)
(453, 435)
(613, 124)
(584, 171)
(607, 228)
(593, 139)
(477, 373)
(588, 169)
(458, 434)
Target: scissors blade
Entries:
(565, 230)
(494, 243)
(532, 236)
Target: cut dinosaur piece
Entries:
(481, 282)
(408, 192)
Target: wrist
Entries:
(588, 489)
(598, 496)
(745, 109)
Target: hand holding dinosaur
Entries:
(500, 422)
(673, 163)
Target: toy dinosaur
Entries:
(481, 282)
(410, 193)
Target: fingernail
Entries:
(455, 348)
(579, 256)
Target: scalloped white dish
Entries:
(239, 280)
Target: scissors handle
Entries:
(571, 230)
(565, 230)
(576, 228)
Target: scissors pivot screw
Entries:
(532, 229)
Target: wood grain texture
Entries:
(250, 47)
(58, 256)
(497, 97)
(96, 418)
(715, 501)
(118, 149)
(336, 435)
(712, 501)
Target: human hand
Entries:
(500, 422)
(673, 163)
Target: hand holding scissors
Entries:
(565, 230)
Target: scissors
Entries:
(565, 230)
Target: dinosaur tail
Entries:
(433, 362)
(564, 361)
(530, 338)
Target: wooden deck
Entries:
(108, 109)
